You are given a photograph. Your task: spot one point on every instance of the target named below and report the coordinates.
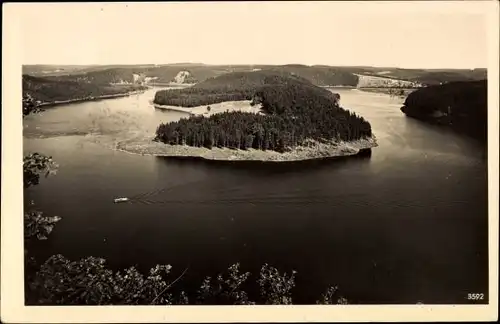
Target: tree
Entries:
(36, 164)
(30, 105)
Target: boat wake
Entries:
(238, 195)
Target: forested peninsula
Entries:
(298, 120)
(462, 106)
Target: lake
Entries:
(407, 224)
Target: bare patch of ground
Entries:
(313, 150)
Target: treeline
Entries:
(295, 111)
(461, 105)
(48, 90)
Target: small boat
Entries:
(119, 200)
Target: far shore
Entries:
(91, 98)
(389, 91)
(338, 87)
(170, 84)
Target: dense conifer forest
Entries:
(459, 105)
(294, 111)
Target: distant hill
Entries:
(321, 75)
(47, 70)
(61, 70)
(459, 105)
(162, 74)
(426, 77)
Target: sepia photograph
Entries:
(320, 156)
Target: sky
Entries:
(407, 35)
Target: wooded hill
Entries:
(295, 111)
(48, 91)
(322, 75)
(435, 77)
(463, 106)
(229, 87)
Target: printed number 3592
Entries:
(475, 296)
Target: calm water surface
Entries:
(407, 224)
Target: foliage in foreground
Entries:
(36, 225)
(30, 105)
(34, 165)
(89, 282)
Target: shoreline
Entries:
(225, 106)
(444, 121)
(79, 100)
(316, 151)
(173, 108)
(170, 84)
(389, 91)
